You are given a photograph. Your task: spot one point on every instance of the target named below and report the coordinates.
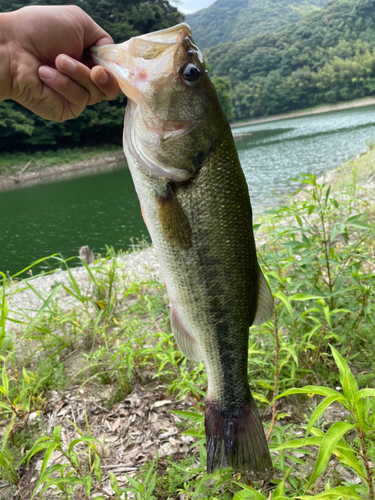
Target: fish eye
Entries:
(191, 74)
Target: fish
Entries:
(196, 205)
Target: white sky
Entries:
(189, 6)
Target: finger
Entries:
(75, 95)
(106, 40)
(80, 74)
(105, 81)
(92, 32)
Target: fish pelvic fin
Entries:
(173, 222)
(185, 342)
(237, 440)
(264, 308)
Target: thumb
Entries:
(106, 40)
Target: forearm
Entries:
(5, 56)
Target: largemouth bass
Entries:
(196, 205)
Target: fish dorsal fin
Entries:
(264, 308)
(186, 343)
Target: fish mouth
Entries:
(135, 61)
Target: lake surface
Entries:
(103, 209)
(280, 150)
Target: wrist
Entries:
(6, 66)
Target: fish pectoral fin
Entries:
(264, 308)
(186, 343)
(173, 222)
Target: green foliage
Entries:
(20, 129)
(315, 255)
(316, 251)
(240, 19)
(326, 57)
(361, 409)
(223, 89)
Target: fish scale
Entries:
(196, 206)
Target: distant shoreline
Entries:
(325, 108)
(115, 159)
(103, 162)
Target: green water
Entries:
(102, 209)
(61, 217)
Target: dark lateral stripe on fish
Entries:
(237, 440)
(173, 222)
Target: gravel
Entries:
(28, 296)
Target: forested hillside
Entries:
(230, 21)
(20, 129)
(326, 57)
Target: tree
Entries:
(223, 89)
(122, 19)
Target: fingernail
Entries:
(67, 64)
(46, 73)
(102, 77)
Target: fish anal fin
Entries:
(186, 343)
(264, 308)
(173, 222)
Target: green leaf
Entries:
(151, 486)
(88, 483)
(327, 316)
(319, 410)
(5, 381)
(114, 483)
(348, 382)
(37, 447)
(298, 443)
(86, 439)
(286, 302)
(329, 441)
(56, 434)
(334, 232)
(304, 296)
(97, 469)
(310, 389)
(280, 489)
(365, 393)
(334, 494)
(248, 493)
(346, 456)
(134, 483)
(189, 415)
(43, 477)
(5, 406)
(260, 397)
(51, 448)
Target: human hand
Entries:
(45, 48)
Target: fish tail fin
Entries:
(237, 440)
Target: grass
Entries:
(11, 163)
(97, 364)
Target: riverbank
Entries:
(36, 171)
(323, 108)
(29, 174)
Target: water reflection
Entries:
(273, 155)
